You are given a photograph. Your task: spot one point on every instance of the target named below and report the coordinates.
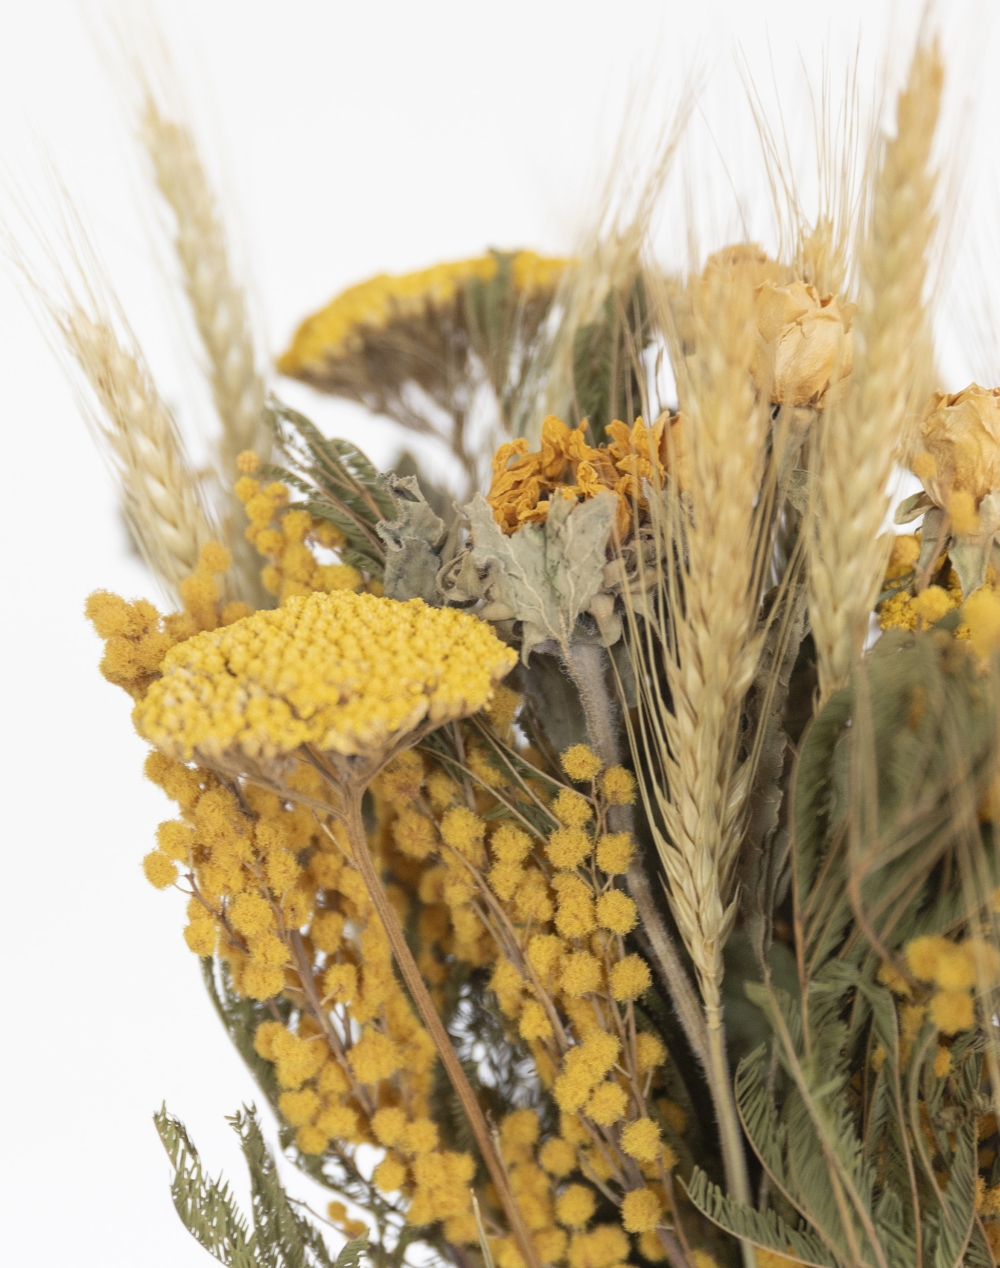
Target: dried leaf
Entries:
(412, 540)
(545, 574)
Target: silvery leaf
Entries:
(546, 574)
(969, 557)
(412, 542)
(989, 513)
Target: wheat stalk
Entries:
(160, 495)
(864, 434)
(609, 258)
(714, 652)
(218, 306)
(706, 641)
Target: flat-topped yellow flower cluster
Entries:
(372, 305)
(346, 672)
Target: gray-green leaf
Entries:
(547, 574)
(412, 542)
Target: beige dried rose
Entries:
(961, 444)
(742, 263)
(804, 342)
(736, 270)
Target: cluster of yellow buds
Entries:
(290, 539)
(136, 636)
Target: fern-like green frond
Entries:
(765, 1229)
(282, 1236)
(336, 481)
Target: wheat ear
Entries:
(218, 306)
(713, 619)
(705, 638)
(863, 434)
(160, 495)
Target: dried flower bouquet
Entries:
(580, 881)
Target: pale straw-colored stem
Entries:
(219, 308)
(161, 499)
(358, 839)
(730, 1131)
(865, 431)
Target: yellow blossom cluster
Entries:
(771, 1259)
(543, 914)
(988, 1209)
(939, 986)
(275, 894)
(339, 329)
(137, 638)
(956, 969)
(560, 1212)
(289, 539)
(349, 673)
(539, 912)
(906, 610)
(909, 610)
(565, 466)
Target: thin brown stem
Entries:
(322, 1017)
(425, 1005)
(666, 1179)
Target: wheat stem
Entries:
(705, 644)
(862, 436)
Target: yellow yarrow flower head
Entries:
(388, 312)
(349, 673)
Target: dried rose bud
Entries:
(805, 342)
(961, 439)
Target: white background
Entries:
(347, 139)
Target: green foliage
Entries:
(884, 799)
(765, 1229)
(335, 1170)
(336, 482)
(281, 1238)
(241, 1016)
(503, 327)
(608, 374)
(885, 792)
